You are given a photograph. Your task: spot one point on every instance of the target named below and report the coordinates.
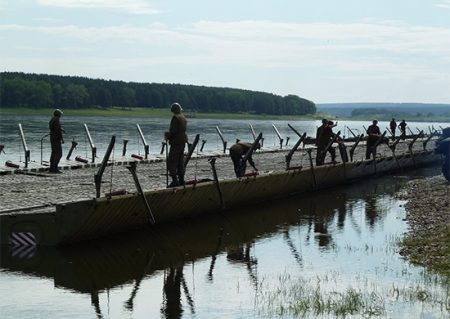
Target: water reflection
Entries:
(230, 237)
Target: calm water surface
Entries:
(102, 128)
(246, 263)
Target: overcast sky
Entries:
(323, 50)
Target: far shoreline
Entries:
(158, 112)
(165, 113)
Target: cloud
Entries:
(444, 4)
(367, 51)
(137, 7)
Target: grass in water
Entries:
(298, 298)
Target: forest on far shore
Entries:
(23, 90)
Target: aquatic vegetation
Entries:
(300, 298)
(325, 296)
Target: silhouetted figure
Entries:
(393, 126)
(373, 134)
(324, 135)
(56, 141)
(171, 308)
(402, 127)
(177, 139)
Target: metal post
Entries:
(163, 146)
(253, 131)
(91, 143)
(191, 150)
(411, 144)
(428, 139)
(212, 162)
(72, 147)
(330, 143)
(222, 138)
(146, 146)
(203, 144)
(124, 149)
(279, 135)
(99, 174)
(378, 142)
(295, 131)
(42, 146)
(351, 132)
(25, 146)
(132, 169)
(352, 150)
(291, 152)
(250, 150)
(313, 174)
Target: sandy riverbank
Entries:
(428, 214)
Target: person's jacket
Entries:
(55, 129)
(177, 131)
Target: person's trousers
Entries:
(56, 155)
(175, 161)
(239, 167)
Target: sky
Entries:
(327, 51)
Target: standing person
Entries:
(177, 139)
(237, 153)
(393, 126)
(373, 132)
(56, 141)
(324, 134)
(402, 126)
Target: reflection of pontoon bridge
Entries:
(87, 219)
(130, 258)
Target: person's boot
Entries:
(174, 182)
(181, 179)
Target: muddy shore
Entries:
(427, 242)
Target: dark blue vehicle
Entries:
(443, 147)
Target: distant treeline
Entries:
(44, 91)
(385, 110)
(387, 114)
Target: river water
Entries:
(328, 254)
(101, 129)
(324, 255)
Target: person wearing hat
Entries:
(373, 134)
(56, 141)
(324, 135)
(177, 138)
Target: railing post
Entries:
(91, 143)
(223, 139)
(99, 174)
(146, 146)
(124, 149)
(25, 146)
(294, 148)
(279, 135)
(72, 147)
(353, 148)
(191, 150)
(42, 146)
(132, 169)
(203, 144)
